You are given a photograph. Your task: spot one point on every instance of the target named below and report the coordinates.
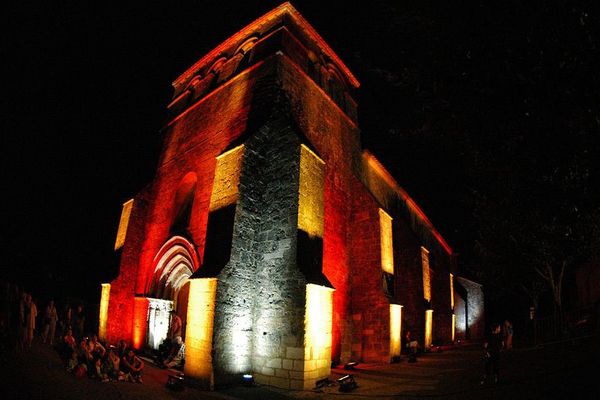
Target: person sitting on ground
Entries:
(112, 362)
(72, 362)
(100, 370)
(177, 354)
(67, 346)
(84, 355)
(96, 347)
(164, 350)
(133, 366)
(122, 348)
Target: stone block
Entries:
(274, 363)
(276, 381)
(267, 371)
(309, 384)
(310, 365)
(282, 373)
(296, 374)
(294, 353)
(287, 364)
(310, 374)
(297, 384)
(298, 365)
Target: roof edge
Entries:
(267, 22)
(403, 194)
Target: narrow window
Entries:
(426, 274)
(386, 242)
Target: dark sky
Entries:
(87, 87)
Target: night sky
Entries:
(486, 114)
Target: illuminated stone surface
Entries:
(395, 330)
(386, 242)
(199, 333)
(426, 274)
(123, 223)
(103, 314)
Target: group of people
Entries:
(88, 356)
(500, 338)
(28, 321)
(92, 358)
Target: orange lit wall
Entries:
(140, 316)
(452, 293)
(123, 224)
(428, 329)
(453, 327)
(317, 335)
(122, 289)
(193, 142)
(199, 331)
(426, 274)
(227, 178)
(310, 201)
(395, 330)
(387, 246)
(103, 312)
(370, 306)
(315, 113)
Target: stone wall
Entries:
(122, 289)
(461, 316)
(370, 306)
(409, 279)
(442, 316)
(335, 137)
(259, 321)
(475, 310)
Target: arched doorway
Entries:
(174, 263)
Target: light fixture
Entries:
(175, 382)
(347, 383)
(248, 379)
(350, 365)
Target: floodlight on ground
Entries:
(248, 379)
(351, 365)
(347, 383)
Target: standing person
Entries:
(65, 319)
(78, 322)
(507, 333)
(176, 326)
(24, 317)
(50, 319)
(31, 321)
(493, 346)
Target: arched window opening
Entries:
(184, 201)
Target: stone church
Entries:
(283, 245)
